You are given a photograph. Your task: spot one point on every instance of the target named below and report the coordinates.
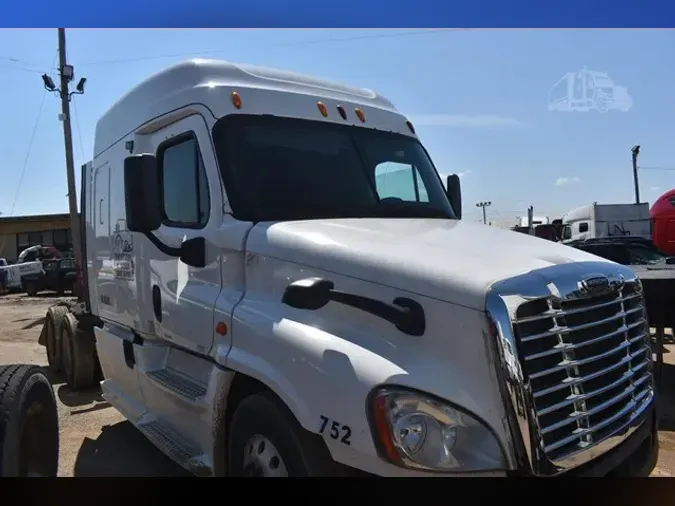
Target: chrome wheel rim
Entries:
(262, 459)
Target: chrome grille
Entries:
(588, 364)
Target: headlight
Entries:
(416, 431)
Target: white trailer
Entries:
(259, 306)
(536, 220)
(607, 220)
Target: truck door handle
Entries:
(100, 212)
(157, 302)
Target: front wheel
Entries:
(265, 440)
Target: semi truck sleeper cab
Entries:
(278, 284)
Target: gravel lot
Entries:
(96, 441)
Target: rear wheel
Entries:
(79, 355)
(29, 424)
(31, 289)
(53, 323)
(265, 440)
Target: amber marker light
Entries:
(236, 100)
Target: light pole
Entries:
(483, 205)
(67, 74)
(635, 151)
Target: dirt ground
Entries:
(96, 441)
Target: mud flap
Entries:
(42, 340)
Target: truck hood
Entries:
(449, 260)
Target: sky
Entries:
(479, 100)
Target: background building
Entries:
(19, 232)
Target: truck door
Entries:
(183, 297)
(102, 290)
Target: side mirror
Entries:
(454, 191)
(142, 197)
(193, 252)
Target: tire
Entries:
(264, 418)
(53, 323)
(31, 289)
(78, 355)
(29, 423)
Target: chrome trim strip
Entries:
(563, 281)
(561, 348)
(566, 330)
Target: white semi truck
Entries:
(258, 308)
(607, 220)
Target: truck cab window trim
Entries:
(200, 180)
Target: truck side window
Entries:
(185, 190)
(583, 227)
(400, 180)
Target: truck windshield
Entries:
(279, 169)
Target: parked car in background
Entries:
(626, 251)
(654, 268)
(40, 268)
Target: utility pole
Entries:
(66, 74)
(483, 205)
(636, 151)
(530, 219)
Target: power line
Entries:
(23, 65)
(655, 168)
(280, 44)
(30, 147)
(25, 163)
(79, 132)
(21, 69)
(19, 60)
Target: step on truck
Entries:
(277, 283)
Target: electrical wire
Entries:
(655, 168)
(30, 147)
(79, 132)
(280, 44)
(25, 163)
(22, 69)
(23, 65)
(19, 60)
